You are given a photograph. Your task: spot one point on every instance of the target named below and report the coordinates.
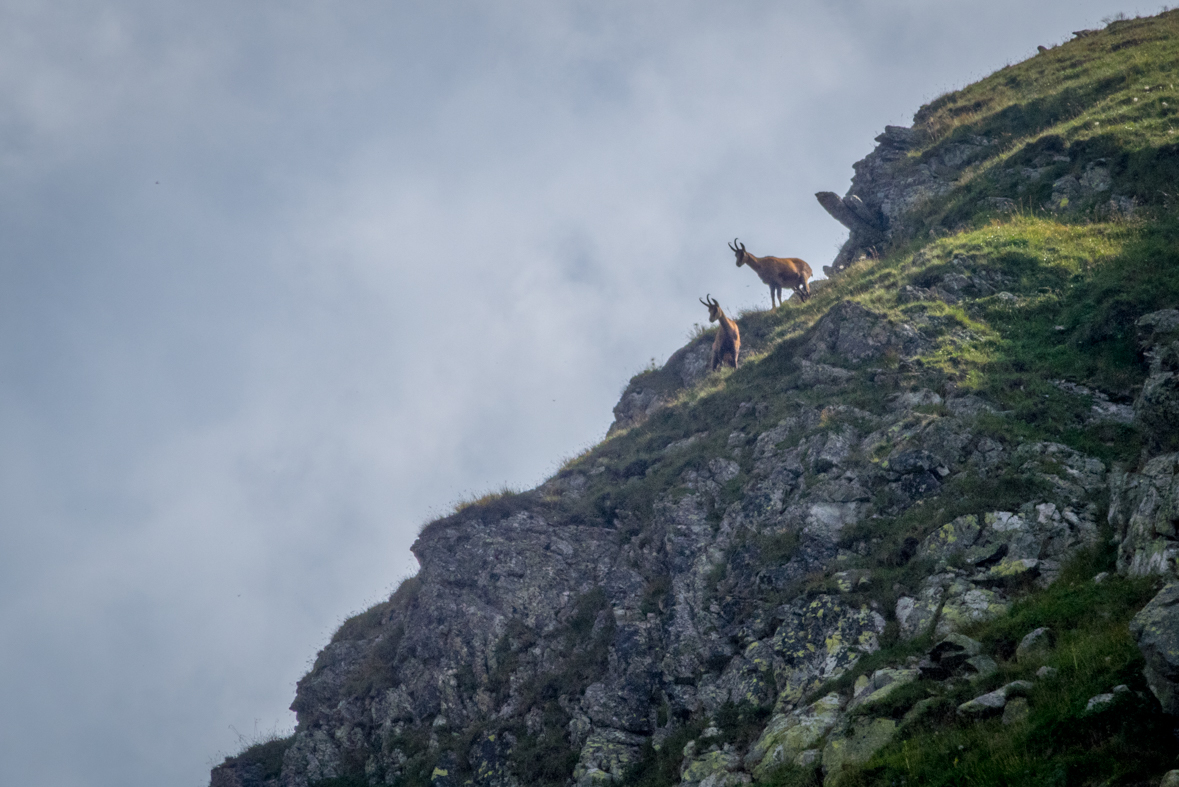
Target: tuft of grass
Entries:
(487, 499)
(262, 755)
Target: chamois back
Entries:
(778, 272)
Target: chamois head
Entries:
(714, 309)
(739, 250)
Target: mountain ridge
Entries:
(826, 566)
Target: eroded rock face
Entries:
(789, 735)
(558, 619)
(1144, 505)
(1156, 630)
(857, 334)
(819, 640)
(1157, 407)
(629, 634)
(1144, 509)
(889, 183)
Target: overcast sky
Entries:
(279, 282)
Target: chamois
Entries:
(727, 344)
(778, 272)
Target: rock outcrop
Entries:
(1156, 630)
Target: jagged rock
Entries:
(714, 769)
(910, 294)
(966, 604)
(951, 539)
(1156, 630)
(1047, 673)
(915, 615)
(819, 640)
(881, 685)
(445, 773)
(1143, 510)
(849, 580)
(489, 758)
(920, 710)
(1015, 711)
(856, 746)
(789, 735)
(1070, 472)
(606, 755)
(991, 703)
(858, 334)
(1010, 572)
(636, 406)
(907, 400)
(813, 374)
(1101, 702)
(1066, 192)
(954, 651)
(647, 393)
(1170, 779)
(1102, 410)
(1035, 646)
(982, 667)
(312, 757)
(1157, 408)
(889, 183)
(851, 212)
(746, 680)
(969, 405)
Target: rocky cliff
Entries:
(915, 527)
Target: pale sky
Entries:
(280, 282)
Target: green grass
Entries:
(265, 755)
(1111, 95)
(1060, 743)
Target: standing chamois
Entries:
(727, 344)
(778, 272)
